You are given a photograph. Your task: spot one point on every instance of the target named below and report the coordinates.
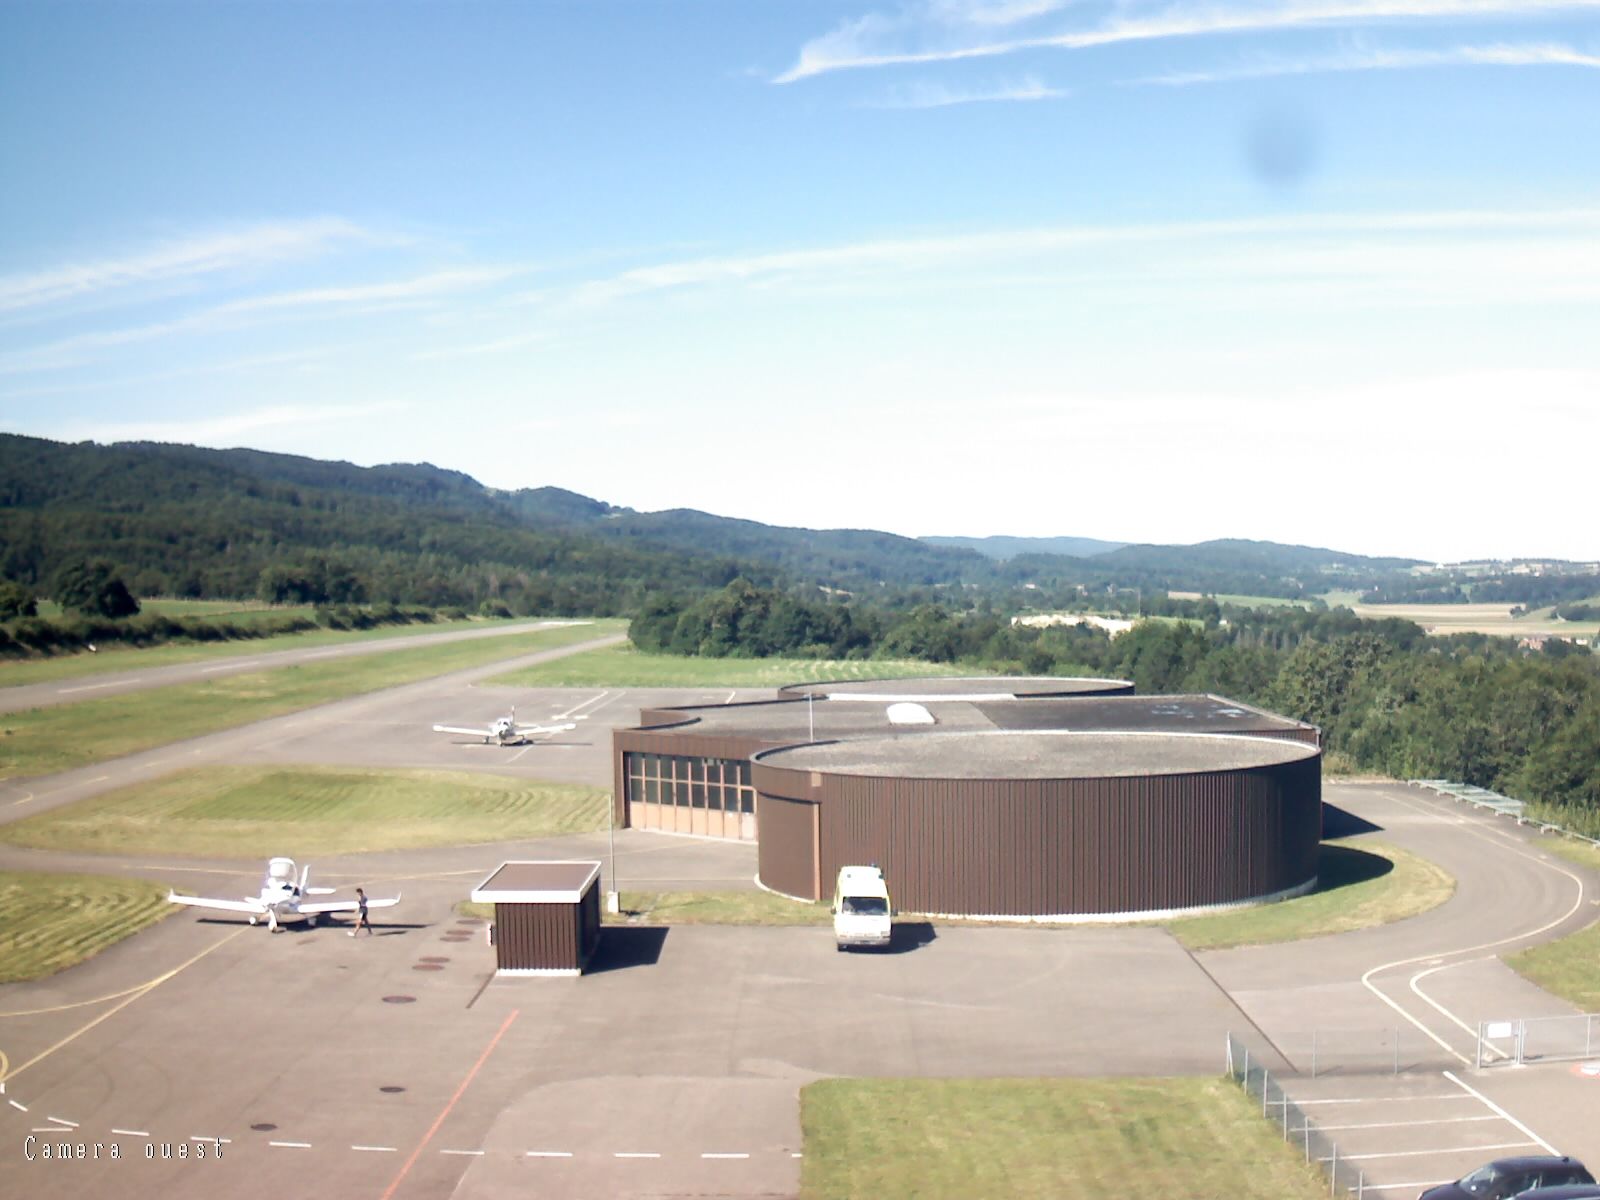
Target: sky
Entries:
(1310, 271)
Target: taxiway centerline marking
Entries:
(472, 1153)
(220, 1141)
(634, 1154)
(62, 1121)
(439, 1120)
(548, 1154)
(377, 1149)
(131, 1132)
(254, 662)
(291, 1145)
(18, 1107)
(49, 1129)
(144, 990)
(1493, 1107)
(87, 687)
(724, 1156)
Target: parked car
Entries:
(1507, 1177)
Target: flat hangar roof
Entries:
(970, 687)
(793, 720)
(1021, 754)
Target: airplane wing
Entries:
(254, 907)
(525, 730)
(333, 906)
(458, 729)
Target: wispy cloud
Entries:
(70, 351)
(200, 254)
(930, 34)
(1398, 237)
(1542, 54)
(937, 95)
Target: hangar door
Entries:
(788, 846)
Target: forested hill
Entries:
(1002, 547)
(180, 520)
(190, 521)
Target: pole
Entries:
(811, 715)
(612, 904)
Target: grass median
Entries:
(17, 672)
(44, 741)
(55, 921)
(1356, 889)
(624, 666)
(1568, 967)
(1200, 1139)
(256, 812)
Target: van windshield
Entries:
(864, 906)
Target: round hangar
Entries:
(1045, 825)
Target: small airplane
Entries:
(282, 897)
(505, 730)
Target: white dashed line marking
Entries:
(131, 1132)
(214, 1140)
(473, 1153)
(549, 1154)
(795, 1154)
(18, 1107)
(49, 1129)
(633, 1154)
(291, 1145)
(99, 779)
(1435, 1150)
(376, 1149)
(63, 1121)
(254, 662)
(724, 1156)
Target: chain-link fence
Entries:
(1291, 1121)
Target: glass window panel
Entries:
(697, 770)
(698, 794)
(680, 793)
(747, 800)
(652, 765)
(652, 793)
(744, 774)
(713, 770)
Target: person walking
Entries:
(361, 913)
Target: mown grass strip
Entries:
(256, 812)
(46, 740)
(624, 666)
(1200, 1139)
(1568, 967)
(16, 672)
(56, 921)
(1356, 889)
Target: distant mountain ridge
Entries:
(1003, 547)
(178, 518)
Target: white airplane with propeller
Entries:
(505, 730)
(283, 897)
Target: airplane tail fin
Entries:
(305, 874)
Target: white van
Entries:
(861, 908)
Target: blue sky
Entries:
(1309, 271)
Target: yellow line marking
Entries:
(4, 1063)
(111, 1012)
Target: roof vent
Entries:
(907, 713)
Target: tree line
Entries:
(1388, 698)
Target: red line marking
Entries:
(439, 1120)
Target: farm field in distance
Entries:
(1493, 619)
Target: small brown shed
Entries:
(546, 916)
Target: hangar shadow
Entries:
(624, 946)
(1341, 823)
(1344, 866)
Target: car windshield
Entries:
(865, 906)
(1478, 1183)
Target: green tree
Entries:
(16, 601)
(93, 588)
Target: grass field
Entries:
(16, 672)
(1259, 601)
(624, 666)
(46, 740)
(1198, 1139)
(1568, 967)
(54, 921)
(1493, 619)
(256, 812)
(1356, 889)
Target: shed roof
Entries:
(526, 882)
